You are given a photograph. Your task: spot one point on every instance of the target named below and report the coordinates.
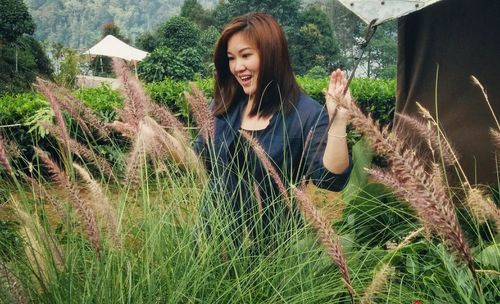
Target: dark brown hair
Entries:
(276, 84)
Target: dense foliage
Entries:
(164, 62)
(177, 45)
(25, 111)
(15, 20)
(69, 68)
(320, 33)
(22, 58)
(122, 225)
(194, 11)
(78, 23)
(179, 33)
(102, 100)
(375, 96)
(314, 44)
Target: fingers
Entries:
(338, 89)
(337, 83)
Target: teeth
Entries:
(245, 77)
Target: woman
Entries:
(256, 92)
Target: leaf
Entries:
(362, 157)
(43, 115)
(490, 257)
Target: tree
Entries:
(307, 52)
(179, 33)
(15, 20)
(316, 15)
(22, 58)
(194, 11)
(43, 65)
(208, 39)
(179, 45)
(191, 9)
(68, 69)
(286, 12)
(163, 62)
(111, 28)
(147, 42)
(381, 53)
(313, 44)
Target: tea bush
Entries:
(103, 100)
(374, 95)
(377, 96)
(27, 109)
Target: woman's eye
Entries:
(230, 58)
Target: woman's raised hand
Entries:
(338, 103)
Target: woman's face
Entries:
(244, 62)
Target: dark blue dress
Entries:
(236, 174)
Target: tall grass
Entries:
(152, 230)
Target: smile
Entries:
(246, 79)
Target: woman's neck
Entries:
(255, 122)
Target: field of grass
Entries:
(78, 228)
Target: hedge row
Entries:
(375, 96)
(20, 114)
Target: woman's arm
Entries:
(336, 156)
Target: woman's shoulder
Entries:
(307, 106)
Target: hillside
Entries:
(77, 23)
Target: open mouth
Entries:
(246, 80)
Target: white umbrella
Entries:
(384, 10)
(113, 47)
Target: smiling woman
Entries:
(262, 53)
(258, 102)
(244, 63)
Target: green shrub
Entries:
(316, 72)
(102, 100)
(22, 113)
(14, 109)
(179, 33)
(163, 63)
(10, 241)
(376, 96)
(170, 93)
(68, 69)
(15, 113)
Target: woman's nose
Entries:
(239, 65)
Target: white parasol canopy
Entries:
(384, 10)
(113, 47)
